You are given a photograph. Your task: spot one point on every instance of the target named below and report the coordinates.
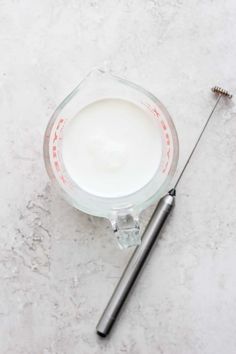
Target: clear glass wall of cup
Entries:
(123, 212)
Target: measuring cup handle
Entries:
(126, 228)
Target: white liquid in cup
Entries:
(112, 148)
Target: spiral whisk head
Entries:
(221, 91)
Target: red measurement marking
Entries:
(60, 123)
(165, 167)
(153, 110)
(63, 179)
(156, 113)
(55, 137)
(163, 125)
(54, 151)
(168, 153)
(167, 139)
(56, 164)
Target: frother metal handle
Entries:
(135, 264)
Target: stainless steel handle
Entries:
(135, 264)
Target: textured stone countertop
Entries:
(58, 266)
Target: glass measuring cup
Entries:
(123, 212)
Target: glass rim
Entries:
(102, 206)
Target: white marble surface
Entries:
(59, 266)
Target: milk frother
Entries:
(149, 237)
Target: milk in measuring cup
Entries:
(112, 148)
